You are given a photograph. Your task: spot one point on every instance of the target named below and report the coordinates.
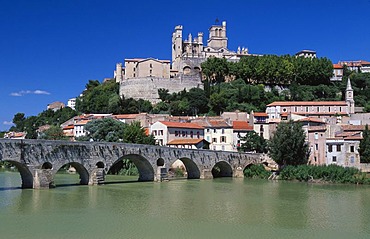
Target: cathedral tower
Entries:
(217, 36)
(176, 47)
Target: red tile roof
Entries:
(170, 124)
(260, 114)
(337, 66)
(311, 119)
(218, 124)
(82, 122)
(353, 127)
(241, 125)
(307, 103)
(125, 116)
(185, 141)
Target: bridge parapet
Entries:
(40, 160)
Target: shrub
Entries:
(256, 171)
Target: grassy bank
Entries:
(310, 173)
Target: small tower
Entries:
(349, 98)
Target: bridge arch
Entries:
(80, 169)
(146, 171)
(222, 169)
(26, 175)
(192, 168)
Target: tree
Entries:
(53, 133)
(134, 133)
(253, 142)
(288, 145)
(364, 149)
(18, 121)
(106, 129)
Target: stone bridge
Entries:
(39, 160)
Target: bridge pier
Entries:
(97, 176)
(162, 174)
(43, 179)
(206, 174)
(238, 172)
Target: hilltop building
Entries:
(141, 78)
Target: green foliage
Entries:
(288, 146)
(253, 142)
(128, 168)
(256, 171)
(364, 149)
(331, 173)
(106, 129)
(134, 133)
(53, 133)
(270, 70)
(47, 117)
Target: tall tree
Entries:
(253, 142)
(53, 133)
(106, 129)
(134, 133)
(288, 145)
(364, 149)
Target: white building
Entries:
(71, 103)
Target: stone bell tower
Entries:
(349, 98)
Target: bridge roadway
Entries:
(39, 160)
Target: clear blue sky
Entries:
(49, 49)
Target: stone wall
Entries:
(147, 87)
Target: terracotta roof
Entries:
(353, 127)
(68, 127)
(311, 119)
(260, 114)
(317, 128)
(170, 124)
(218, 124)
(337, 66)
(125, 116)
(147, 131)
(242, 125)
(185, 141)
(353, 138)
(82, 122)
(307, 103)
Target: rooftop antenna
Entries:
(217, 21)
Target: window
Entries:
(318, 109)
(330, 148)
(214, 140)
(316, 136)
(352, 159)
(176, 133)
(160, 132)
(198, 134)
(352, 148)
(223, 139)
(207, 130)
(151, 66)
(222, 131)
(315, 158)
(155, 132)
(316, 147)
(183, 133)
(334, 158)
(207, 138)
(306, 109)
(261, 128)
(214, 131)
(339, 147)
(191, 134)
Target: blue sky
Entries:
(49, 49)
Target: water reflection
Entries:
(219, 208)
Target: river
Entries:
(219, 208)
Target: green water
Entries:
(220, 208)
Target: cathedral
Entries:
(141, 78)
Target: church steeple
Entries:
(349, 98)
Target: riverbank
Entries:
(312, 173)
